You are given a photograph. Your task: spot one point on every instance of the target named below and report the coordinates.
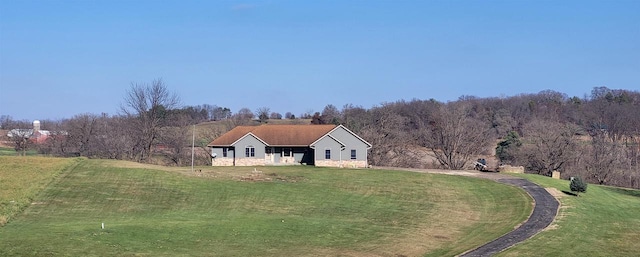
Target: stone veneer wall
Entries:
(511, 169)
(222, 162)
(343, 164)
(354, 164)
(289, 160)
(250, 162)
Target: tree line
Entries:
(596, 137)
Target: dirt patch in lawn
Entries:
(555, 192)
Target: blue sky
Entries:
(62, 58)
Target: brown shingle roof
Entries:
(276, 135)
(231, 136)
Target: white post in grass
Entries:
(102, 225)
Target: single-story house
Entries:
(319, 145)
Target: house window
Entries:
(250, 151)
(287, 152)
(327, 154)
(353, 154)
(224, 152)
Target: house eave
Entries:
(288, 145)
(219, 146)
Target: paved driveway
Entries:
(544, 211)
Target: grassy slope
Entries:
(22, 178)
(605, 221)
(299, 211)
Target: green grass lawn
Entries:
(604, 221)
(23, 178)
(6, 151)
(55, 206)
(279, 211)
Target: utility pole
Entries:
(193, 146)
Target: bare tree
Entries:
(82, 129)
(549, 146)
(605, 159)
(7, 122)
(307, 114)
(331, 114)
(263, 113)
(117, 139)
(549, 104)
(455, 137)
(289, 115)
(146, 105)
(243, 117)
(317, 119)
(355, 117)
(245, 114)
(204, 136)
(275, 116)
(614, 111)
(176, 139)
(21, 139)
(19, 134)
(385, 131)
(218, 113)
(632, 176)
(57, 142)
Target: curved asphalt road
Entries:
(545, 210)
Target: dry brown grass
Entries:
(434, 232)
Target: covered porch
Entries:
(288, 155)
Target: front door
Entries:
(269, 156)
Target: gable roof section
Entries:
(369, 145)
(250, 134)
(276, 135)
(231, 136)
(346, 129)
(312, 145)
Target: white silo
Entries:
(36, 125)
